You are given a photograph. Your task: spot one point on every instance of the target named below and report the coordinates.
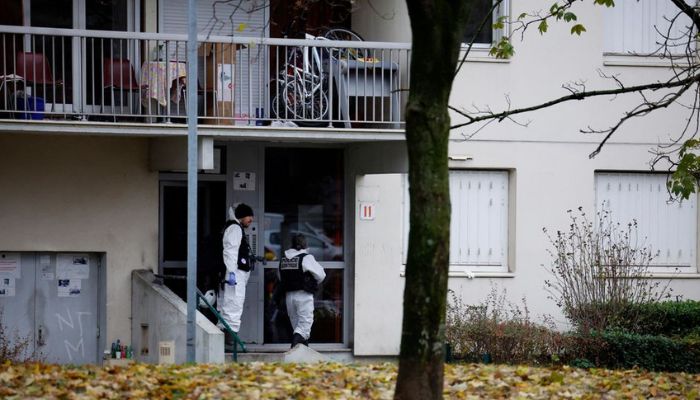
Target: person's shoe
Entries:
(297, 339)
(229, 342)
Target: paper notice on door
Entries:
(47, 273)
(69, 287)
(7, 287)
(9, 265)
(244, 181)
(72, 266)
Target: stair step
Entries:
(340, 355)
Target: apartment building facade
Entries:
(309, 132)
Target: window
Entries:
(479, 224)
(669, 228)
(634, 26)
(480, 10)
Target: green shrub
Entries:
(628, 350)
(500, 332)
(669, 318)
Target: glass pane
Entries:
(106, 15)
(57, 50)
(52, 13)
(479, 11)
(328, 311)
(304, 191)
(211, 219)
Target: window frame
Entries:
(634, 56)
(470, 269)
(654, 268)
(496, 34)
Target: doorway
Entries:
(53, 301)
(304, 193)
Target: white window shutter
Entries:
(633, 26)
(479, 223)
(669, 228)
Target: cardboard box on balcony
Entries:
(212, 55)
(218, 66)
(216, 111)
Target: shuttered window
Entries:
(479, 224)
(669, 228)
(633, 26)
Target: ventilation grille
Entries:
(166, 352)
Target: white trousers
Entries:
(231, 300)
(300, 307)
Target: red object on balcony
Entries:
(119, 73)
(34, 68)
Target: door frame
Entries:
(348, 243)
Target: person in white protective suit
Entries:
(239, 261)
(300, 275)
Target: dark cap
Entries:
(243, 210)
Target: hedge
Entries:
(669, 318)
(628, 350)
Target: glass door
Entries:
(72, 59)
(304, 193)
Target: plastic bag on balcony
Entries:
(283, 124)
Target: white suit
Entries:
(300, 303)
(233, 296)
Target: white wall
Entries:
(546, 180)
(83, 194)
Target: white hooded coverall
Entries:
(300, 303)
(233, 296)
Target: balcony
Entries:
(127, 77)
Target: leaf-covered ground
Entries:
(331, 381)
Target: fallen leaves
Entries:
(331, 381)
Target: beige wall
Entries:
(83, 194)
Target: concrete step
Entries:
(262, 354)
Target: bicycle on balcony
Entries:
(301, 89)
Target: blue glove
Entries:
(231, 278)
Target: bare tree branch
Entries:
(574, 96)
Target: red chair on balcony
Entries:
(118, 76)
(34, 68)
(37, 73)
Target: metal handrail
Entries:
(141, 77)
(243, 40)
(227, 327)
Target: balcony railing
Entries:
(142, 77)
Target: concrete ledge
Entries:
(158, 315)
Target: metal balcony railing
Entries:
(142, 77)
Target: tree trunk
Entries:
(437, 28)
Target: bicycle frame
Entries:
(301, 85)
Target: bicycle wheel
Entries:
(304, 101)
(342, 34)
(346, 35)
